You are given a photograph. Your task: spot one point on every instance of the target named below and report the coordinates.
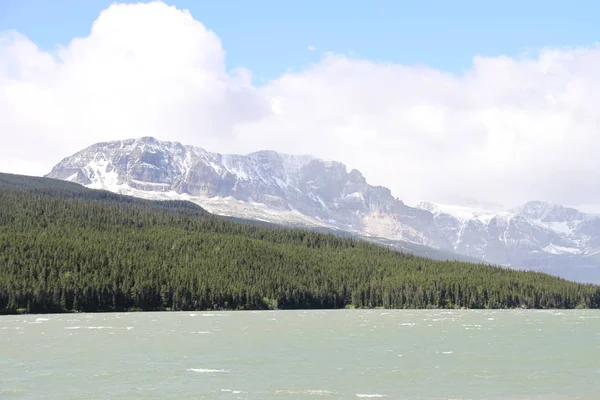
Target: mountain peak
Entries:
(548, 212)
(323, 191)
(149, 139)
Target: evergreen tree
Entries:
(67, 248)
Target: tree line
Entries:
(67, 248)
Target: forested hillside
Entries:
(64, 247)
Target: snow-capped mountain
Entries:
(533, 227)
(264, 185)
(538, 235)
(307, 191)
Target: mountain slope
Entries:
(265, 185)
(68, 248)
(305, 191)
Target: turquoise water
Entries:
(346, 354)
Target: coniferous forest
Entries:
(67, 248)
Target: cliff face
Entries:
(321, 190)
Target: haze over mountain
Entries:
(301, 190)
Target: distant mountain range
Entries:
(320, 194)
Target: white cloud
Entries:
(145, 69)
(311, 48)
(507, 130)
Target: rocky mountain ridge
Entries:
(535, 226)
(307, 191)
(537, 235)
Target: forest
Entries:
(66, 248)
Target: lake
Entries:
(341, 354)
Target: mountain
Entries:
(301, 190)
(265, 185)
(68, 248)
(537, 235)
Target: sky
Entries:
(455, 102)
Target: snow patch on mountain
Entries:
(553, 249)
(229, 206)
(462, 213)
(103, 176)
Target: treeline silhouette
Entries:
(67, 248)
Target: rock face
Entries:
(304, 190)
(321, 190)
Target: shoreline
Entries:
(207, 311)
